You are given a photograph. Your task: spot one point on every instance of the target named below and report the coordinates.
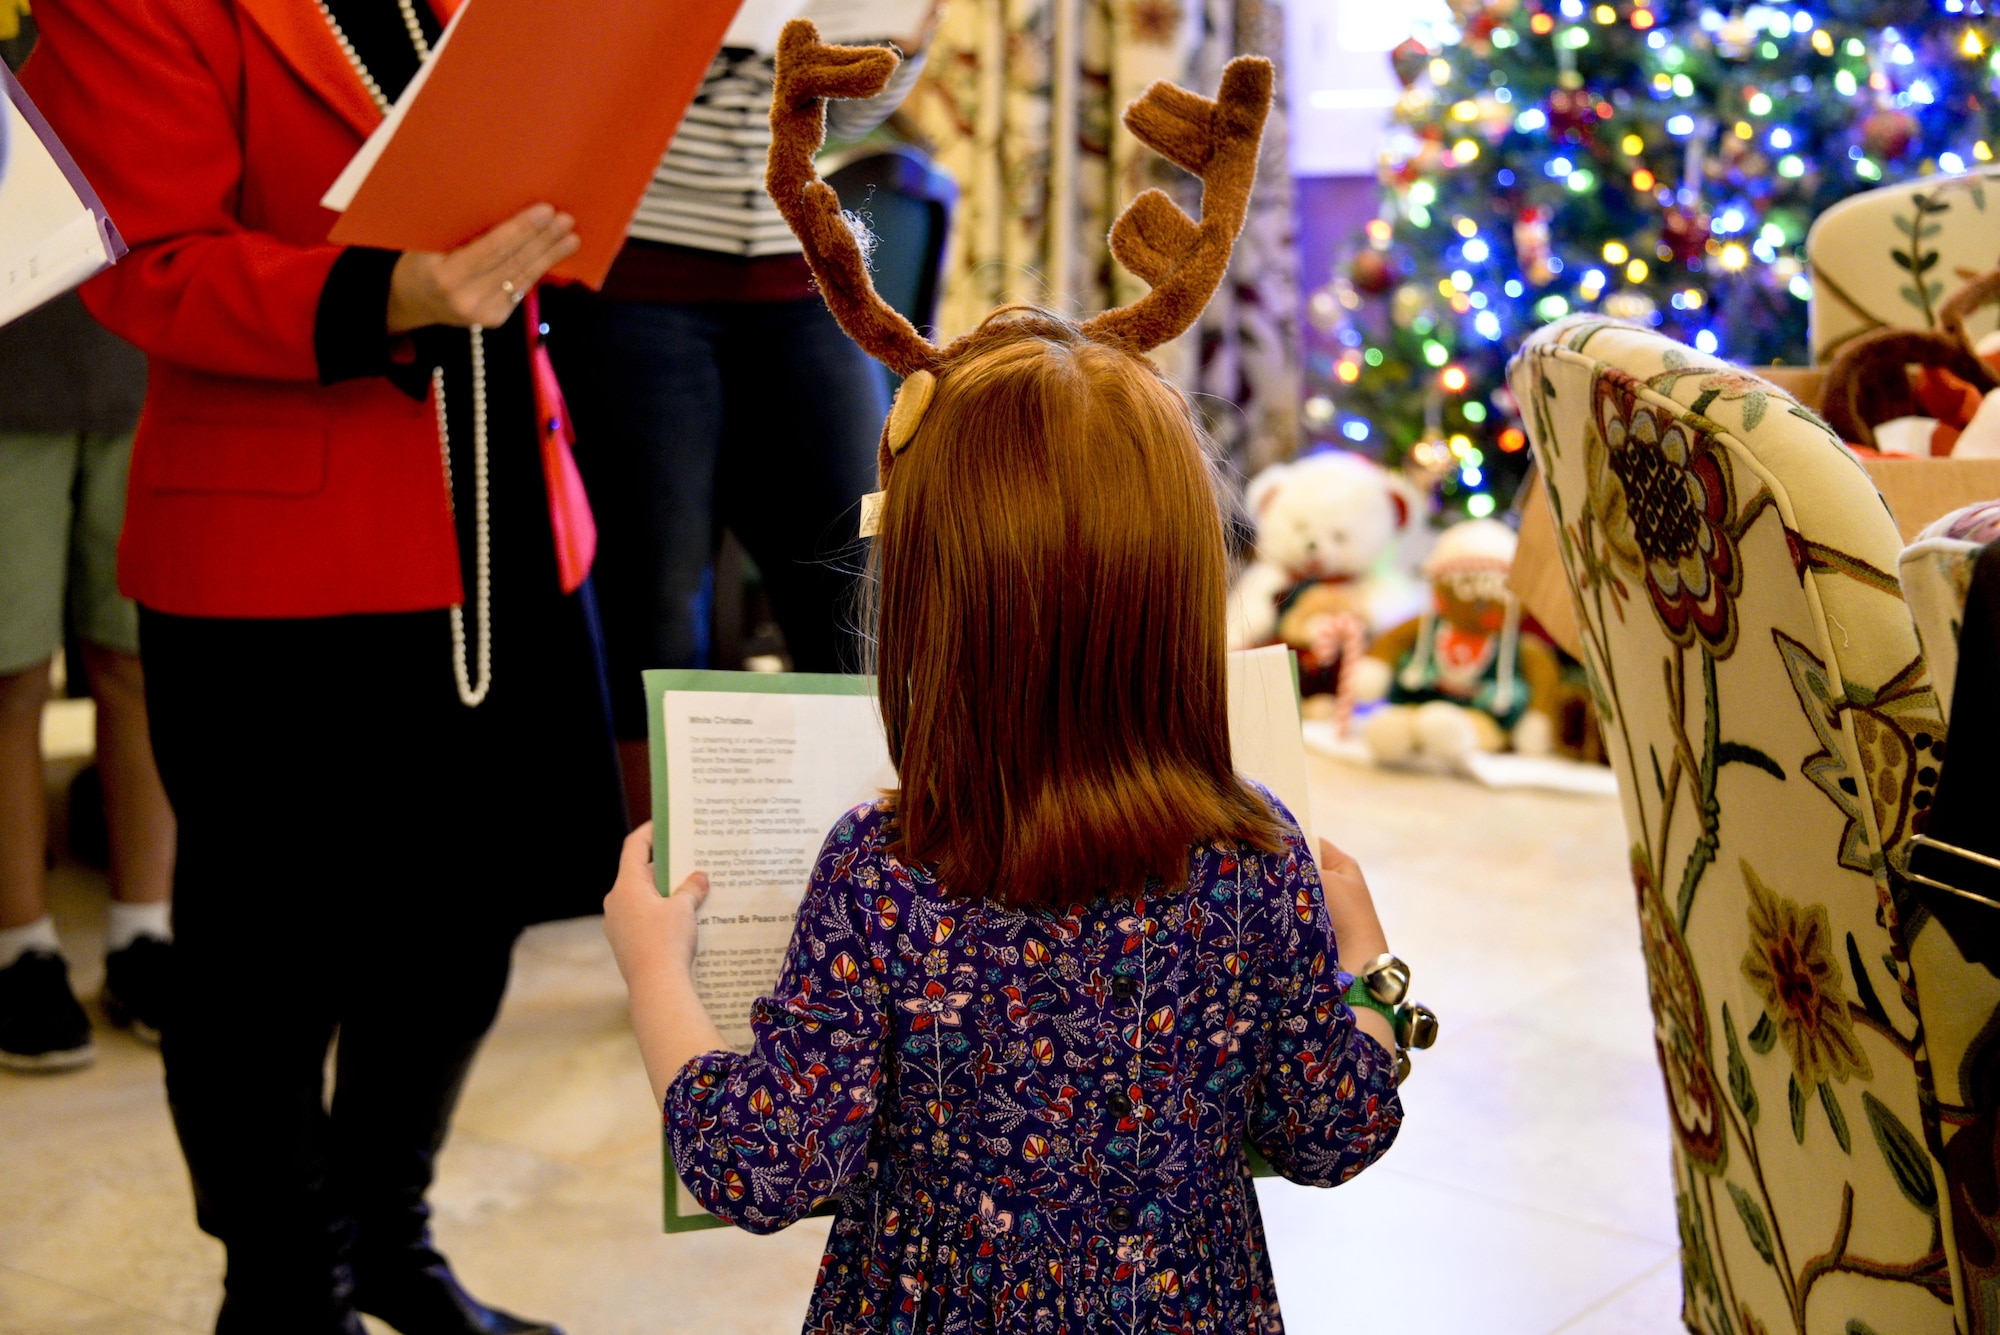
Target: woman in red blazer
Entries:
(371, 657)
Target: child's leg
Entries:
(23, 806)
(141, 827)
(37, 473)
(135, 805)
(140, 822)
(41, 1025)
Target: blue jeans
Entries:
(761, 416)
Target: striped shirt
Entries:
(708, 192)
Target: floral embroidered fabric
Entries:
(1033, 1122)
(1776, 738)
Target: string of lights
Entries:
(1657, 162)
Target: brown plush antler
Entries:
(1214, 138)
(809, 72)
(1184, 261)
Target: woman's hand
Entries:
(649, 933)
(482, 281)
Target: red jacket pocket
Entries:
(260, 460)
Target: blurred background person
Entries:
(69, 399)
(711, 389)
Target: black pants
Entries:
(762, 416)
(339, 874)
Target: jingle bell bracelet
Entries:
(1382, 985)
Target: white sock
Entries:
(129, 922)
(37, 935)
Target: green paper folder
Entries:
(1264, 728)
(681, 1214)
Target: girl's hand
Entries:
(1355, 927)
(650, 934)
(482, 281)
(653, 940)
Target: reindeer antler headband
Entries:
(1183, 261)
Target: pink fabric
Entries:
(570, 518)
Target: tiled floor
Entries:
(1529, 1194)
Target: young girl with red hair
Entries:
(1040, 994)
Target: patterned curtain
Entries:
(986, 108)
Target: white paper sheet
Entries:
(1264, 734)
(754, 783)
(50, 240)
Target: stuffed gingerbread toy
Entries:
(1325, 522)
(1461, 678)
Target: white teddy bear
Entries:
(1324, 578)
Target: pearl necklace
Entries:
(482, 528)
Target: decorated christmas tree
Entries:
(1655, 161)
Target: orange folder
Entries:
(531, 102)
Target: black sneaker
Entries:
(135, 986)
(42, 1028)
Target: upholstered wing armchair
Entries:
(1774, 731)
(1890, 256)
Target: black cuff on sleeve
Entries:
(350, 337)
(411, 358)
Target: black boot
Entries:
(427, 1299)
(398, 1080)
(400, 1277)
(247, 1316)
(301, 1287)
(255, 1140)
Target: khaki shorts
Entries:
(62, 502)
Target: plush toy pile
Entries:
(1423, 673)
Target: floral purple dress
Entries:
(1032, 1123)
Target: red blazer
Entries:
(211, 128)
